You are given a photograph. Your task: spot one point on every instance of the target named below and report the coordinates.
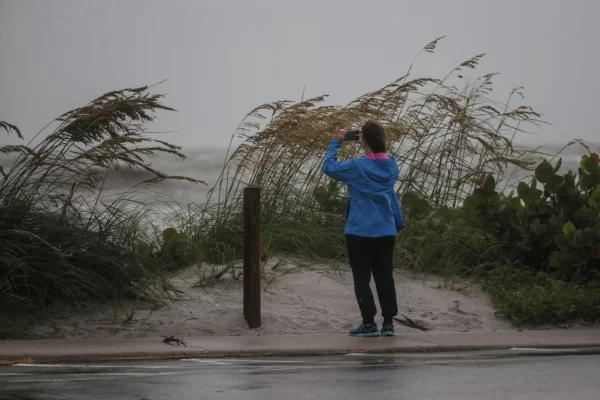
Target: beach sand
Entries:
(297, 298)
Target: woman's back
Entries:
(373, 210)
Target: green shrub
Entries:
(538, 266)
(555, 228)
(526, 298)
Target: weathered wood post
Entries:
(252, 253)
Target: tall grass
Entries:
(62, 237)
(442, 135)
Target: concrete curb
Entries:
(96, 358)
(91, 350)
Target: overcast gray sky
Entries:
(222, 57)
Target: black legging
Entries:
(376, 256)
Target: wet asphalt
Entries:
(460, 376)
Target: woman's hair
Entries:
(373, 134)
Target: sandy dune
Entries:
(312, 299)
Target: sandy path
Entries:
(309, 300)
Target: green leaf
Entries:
(181, 238)
(561, 242)
(591, 202)
(584, 160)
(569, 228)
(586, 181)
(169, 234)
(555, 259)
(558, 165)
(534, 183)
(590, 164)
(523, 190)
(544, 172)
(587, 237)
(546, 241)
(554, 221)
(596, 193)
(489, 185)
(554, 183)
(570, 179)
(515, 203)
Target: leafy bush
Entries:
(535, 299)
(535, 251)
(553, 228)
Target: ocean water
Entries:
(160, 202)
(206, 164)
(202, 164)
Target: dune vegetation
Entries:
(61, 238)
(478, 207)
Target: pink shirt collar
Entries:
(377, 156)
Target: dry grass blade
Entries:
(431, 46)
(472, 63)
(10, 128)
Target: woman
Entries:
(373, 220)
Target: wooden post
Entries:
(252, 253)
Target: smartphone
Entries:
(351, 136)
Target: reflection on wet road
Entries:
(430, 376)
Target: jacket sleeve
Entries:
(339, 171)
(398, 214)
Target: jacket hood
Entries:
(382, 171)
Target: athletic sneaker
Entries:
(387, 330)
(365, 331)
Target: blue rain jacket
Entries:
(374, 209)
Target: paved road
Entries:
(462, 376)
